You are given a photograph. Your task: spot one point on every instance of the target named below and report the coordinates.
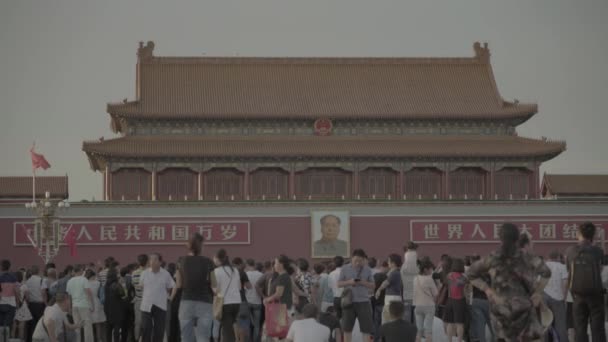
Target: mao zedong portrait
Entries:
(329, 245)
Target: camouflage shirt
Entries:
(514, 280)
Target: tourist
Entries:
(555, 294)
(455, 310)
(174, 331)
(23, 314)
(303, 281)
(66, 275)
(115, 306)
(409, 270)
(194, 277)
(228, 287)
(307, 329)
(480, 311)
(98, 317)
(425, 291)
(254, 299)
(392, 284)
(156, 283)
(584, 268)
(53, 322)
(333, 284)
(35, 297)
(378, 302)
(357, 277)
(332, 322)
(51, 284)
(83, 305)
(521, 278)
(142, 261)
(315, 285)
(374, 265)
(101, 276)
(281, 287)
(9, 301)
(325, 293)
(262, 286)
(397, 330)
(244, 315)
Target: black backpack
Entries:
(585, 276)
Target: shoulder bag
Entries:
(218, 301)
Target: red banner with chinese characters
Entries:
(477, 230)
(141, 232)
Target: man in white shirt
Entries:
(79, 289)
(254, 299)
(556, 292)
(156, 283)
(308, 329)
(334, 276)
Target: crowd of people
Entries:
(510, 295)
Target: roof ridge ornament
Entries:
(145, 52)
(482, 53)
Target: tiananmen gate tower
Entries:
(206, 128)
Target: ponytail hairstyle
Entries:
(195, 245)
(509, 236)
(222, 256)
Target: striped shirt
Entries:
(135, 277)
(103, 276)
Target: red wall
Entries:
(270, 236)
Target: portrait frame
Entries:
(318, 252)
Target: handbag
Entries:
(218, 301)
(441, 301)
(277, 320)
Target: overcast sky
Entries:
(61, 61)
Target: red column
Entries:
(246, 185)
(492, 189)
(200, 185)
(400, 186)
(355, 186)
(153, 185)
(110, 185)
(536, 192)
(446, 183)
(292, 183)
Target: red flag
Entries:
(70, 240)
(38, 160)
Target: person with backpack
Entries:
(584, 267)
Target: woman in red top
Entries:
(456, 306)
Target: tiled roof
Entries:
(576, 184)
(309, 88)
(21, 187)
(422, 146)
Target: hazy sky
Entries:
(61, 61)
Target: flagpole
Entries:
(34, 186)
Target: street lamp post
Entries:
(47, 226)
